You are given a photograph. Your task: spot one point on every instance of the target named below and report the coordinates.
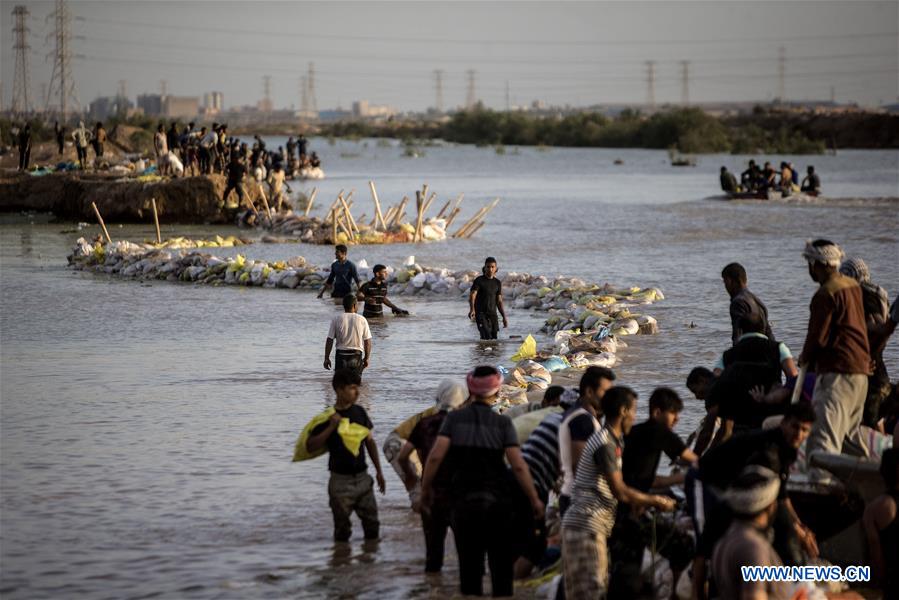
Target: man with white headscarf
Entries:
(877, 307)
(836, 350)
(436, 521)
(753, 500)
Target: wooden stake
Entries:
(100, 220)
(348, 214)
(378, 215)
(156, 221)
(400, 211)
(309, 203)
(475, 230)
(428, 203)
(389, 216)
(443, 210)
(418, 204)
(452, 216)
(268, 210)
(334, 230)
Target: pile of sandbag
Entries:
(313, 230)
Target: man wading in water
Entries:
(374, 293)
(486, 296)
(343, 274)
(350, 332)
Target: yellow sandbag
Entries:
(352, 434)
(300, 452)
(404, 429)
(528, 349)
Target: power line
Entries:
(492, 41)
(22, 78)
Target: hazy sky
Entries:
(386, 52)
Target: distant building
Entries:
(362, 109)
(181, 107)
(109, 106)
(214, 101)
(151, 104)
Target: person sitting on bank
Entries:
(811, 184)
(343, 274)
(728, 181)
(700, 381)
(350, 333)
(350, 488)
(742, 301)
(374, 293)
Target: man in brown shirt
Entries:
(836, 349)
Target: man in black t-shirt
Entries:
(350, 487)
(485, 298)
(374, 293)
(236, 172)
(643, 448)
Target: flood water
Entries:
(147, 428)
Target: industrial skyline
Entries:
(502, 54)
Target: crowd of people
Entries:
(785, 180)
(583, 481)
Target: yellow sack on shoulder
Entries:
(352, 434)
(300, 452)
(528, 349)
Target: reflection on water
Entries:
(147, 428)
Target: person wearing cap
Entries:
(436, 520)
(836, 350)
(474, 441)
(598, 487)
(374, 293)
(752, 498)
(877, 308)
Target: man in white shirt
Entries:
(353, 338)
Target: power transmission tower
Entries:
(22, 79)
(163, 87)
(470, 98)
(267, 93)
(438, 82)
(123, 89)
(508, 97)
(310, 82)
(62, 84)
(304, 98)
(782, 75)
(651, 83)
(685, 82)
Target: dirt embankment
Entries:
(69, 196)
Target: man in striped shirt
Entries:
(598, 486)
(374, 293)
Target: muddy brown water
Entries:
(147, 428)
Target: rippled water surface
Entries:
(147, 428)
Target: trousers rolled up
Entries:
(353, 493)
(839, 403)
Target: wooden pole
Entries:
(156, 221)
(469, 223)
(443, 210)
(100, 220)
(378, 215)
(428, 203)
(348, 214)
(400, 211)
(459, 200)
(309, 203)
(466, 229)
(475, 230)
(418, 204)
(452, 216)
(268, 210)
(334, 230)
(389, 216)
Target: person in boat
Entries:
(314, 161)
(877, 307)
(302, 143)
(881, 523)
(775, 449)
(795, 175)
(750, 176)
(728, 181)
(769, 177)
(836, 349)
(811, 184)
(786, 178)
